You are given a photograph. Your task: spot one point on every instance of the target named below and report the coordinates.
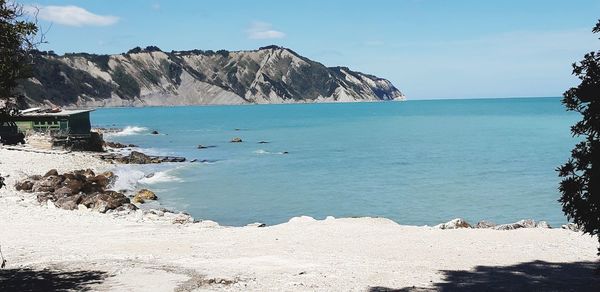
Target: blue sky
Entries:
(427, 48)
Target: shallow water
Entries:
(416, 162)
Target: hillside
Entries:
(151, 77)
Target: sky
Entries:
(429, 49)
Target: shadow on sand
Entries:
(531, 276)
(48, 280)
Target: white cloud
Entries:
(262, 30)
(71, 15)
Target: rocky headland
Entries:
(152, 77)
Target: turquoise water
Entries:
(415, 162)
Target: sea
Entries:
(417, 162)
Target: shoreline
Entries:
(354, 254)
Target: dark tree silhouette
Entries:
(17, 40)
(580, 187)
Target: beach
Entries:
(85, 249)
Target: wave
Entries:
(127, 178)
(130, 130)
(261, 151)
(159, 177)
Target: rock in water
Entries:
(138, 158)
(236, 140)
(154, 132)
(137, 200)
(146, 194)
(454, 224)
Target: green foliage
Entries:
(580, 187)
(100, 60)
(135, 50)
(128, 86)
(151, 76)
(16, 41)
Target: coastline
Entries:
(350, 254)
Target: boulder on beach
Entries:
(25, 185)
(236, 140)
(485, 224)
(526, 223)
(454, 224)
(542, 224)
(572, 227)
(105, 201)
(47, 184)
(69, 202)
(72, 189)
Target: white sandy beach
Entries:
(135, 254)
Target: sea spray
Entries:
(129, 131)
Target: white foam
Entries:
(261, 151)
(129, 131)
(160, 177)
(127, 178)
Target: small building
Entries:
(71, 124)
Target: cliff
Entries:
(151, 77)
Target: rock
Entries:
(109, 175)
(127, 207)
(454, 224)
(201, 146)
(236, 140)
(105, 201)
(99, 180)
(87, 173)
(68, 202)
(48, 184)
(53, 172)
(263, 142)
(485, 224)
(542, 224)
(137, 200)
(44, 197)
(73, 184)
(528, 223)
(182, 219)
(136, 157)
(154, 132)
(63, 192)
(146, 194)
(572, 227)
(25, 185)
(35, 177)
(256, 224)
